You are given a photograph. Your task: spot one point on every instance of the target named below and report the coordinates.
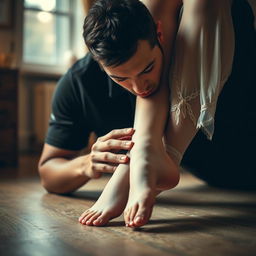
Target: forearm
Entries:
(60, 175)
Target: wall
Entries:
(11, 40)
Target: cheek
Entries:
(155, 76)
(125, 86)
(156, 72)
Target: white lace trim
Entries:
(183, 107)
(206, 119)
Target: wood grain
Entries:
(192, 219)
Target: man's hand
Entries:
(104, 157)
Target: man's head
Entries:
(122, 36)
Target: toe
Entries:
(92, 218)
(83, 215)
(142, 216)
(102, 220)
(127, 216)
(87, 217)
(133, 214)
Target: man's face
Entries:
(142, 72)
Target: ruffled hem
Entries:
(206, 124)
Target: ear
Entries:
(159, 31)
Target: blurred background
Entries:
(39, 41)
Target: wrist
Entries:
(83, 166)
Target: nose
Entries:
(140, 86)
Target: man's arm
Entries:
(63, 171)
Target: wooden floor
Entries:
(192, 219)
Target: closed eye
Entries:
(120, 79)
(148, 70)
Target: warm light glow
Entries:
(50, 39)
(45, 5)
(67, 56)
(44, 17)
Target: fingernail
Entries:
(123, 157)
(129, 130)
(128, 143)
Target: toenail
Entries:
(138, 219)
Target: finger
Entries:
(101, 167)
(117, 133)
(125, 138)
(108, 157)
(114, 145)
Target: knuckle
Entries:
(104, 168)
(94, 167)
(116, 132)
(108, 143)
(93, 156)
(100, 139)
(105, 157)
(94, 147)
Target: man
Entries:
(61, 172)
(72, 121)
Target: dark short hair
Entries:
(113, 28)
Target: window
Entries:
(48, 33)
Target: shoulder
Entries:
(80, 76)
(83, 68)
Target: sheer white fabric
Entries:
(202, 63)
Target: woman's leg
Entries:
(151, 170)
(234, 140)
(203, 61)
(200, 68)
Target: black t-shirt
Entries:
(87, 100)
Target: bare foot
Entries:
(112, 201)
(151, 171)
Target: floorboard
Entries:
(192, 219)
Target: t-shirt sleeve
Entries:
(68, 128)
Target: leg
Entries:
(194, 96)
(151, 168)
(233, 149)
(202, 64)
(112, 201)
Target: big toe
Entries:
(141, 218)
(102, 220)
(143, 215)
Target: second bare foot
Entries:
(112, 201)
